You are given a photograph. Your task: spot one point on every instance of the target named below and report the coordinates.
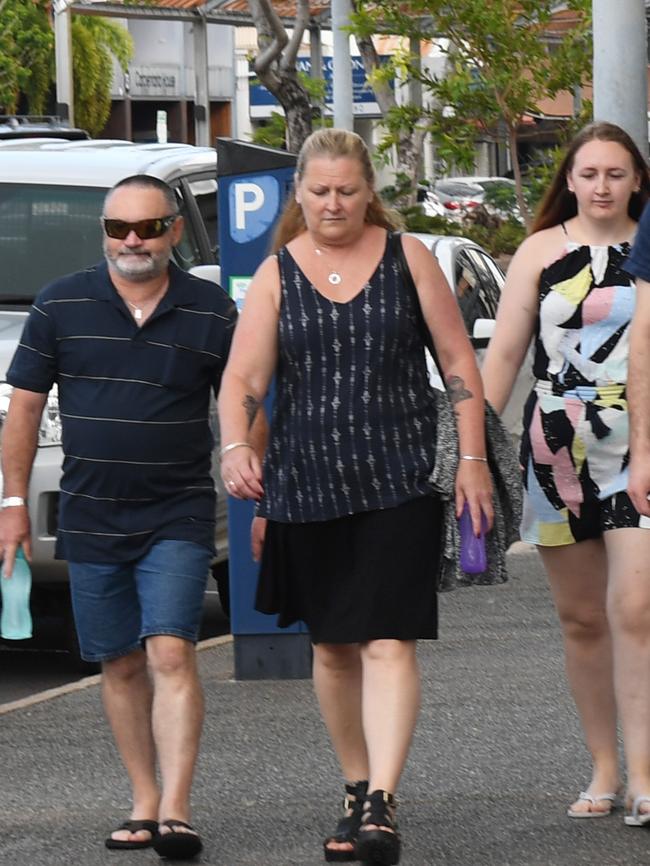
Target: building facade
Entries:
(156, 98)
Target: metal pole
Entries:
(63, 60)
(202, 98)
(316, 57)
(342, 72)
(620, 66)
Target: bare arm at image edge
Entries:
(638, 393)
(19, 444)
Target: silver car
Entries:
(460, 195)
(477, 280)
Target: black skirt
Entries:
(364, 577)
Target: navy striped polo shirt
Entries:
(134, 405)
(354, 419)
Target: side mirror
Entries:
(482, 333)
(207, 272)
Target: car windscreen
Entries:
(46, 232)
(457, 188)
(496, 184)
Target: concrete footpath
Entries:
(496, 758)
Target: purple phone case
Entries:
(473, 555)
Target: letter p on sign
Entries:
(253, 205)
(248, 197)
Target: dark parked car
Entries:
(13, 126)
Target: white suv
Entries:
(51, 196)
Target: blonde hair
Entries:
(334, 144)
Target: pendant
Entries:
(334, 278)
(137, 313)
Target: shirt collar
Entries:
(180, 292)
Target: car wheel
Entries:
(222, 577)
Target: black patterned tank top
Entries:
(353, 426)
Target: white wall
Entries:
(168, 46)
(157, 42)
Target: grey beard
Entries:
(152, 265)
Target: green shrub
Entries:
(415, 220)
(500, 240)
(273, 133)
(507, 238)
(481, 235)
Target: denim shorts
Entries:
(117, 605)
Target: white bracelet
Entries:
(471, 457)
(12, 501)
(227, 448)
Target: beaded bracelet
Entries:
(227, 448)
(471, 457)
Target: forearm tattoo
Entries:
(251, 404)
(457, 390)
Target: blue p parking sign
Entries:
(254, 204)
(253, 184)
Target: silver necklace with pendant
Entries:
(334, 278)
(137, 311)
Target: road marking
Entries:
(87, 682)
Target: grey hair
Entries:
(147, 181)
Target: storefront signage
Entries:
(154, 81)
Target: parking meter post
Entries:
(254, 182)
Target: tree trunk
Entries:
(276, 67)
(297, 106)
(409, 155)
(409, 141)
(294, 99)
(519, 187)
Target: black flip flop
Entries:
(133, 827)
(177, 846)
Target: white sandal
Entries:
(593, 799)
(635, 818)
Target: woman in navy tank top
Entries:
(348, 529)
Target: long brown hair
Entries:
(559, 205)
(331, 143)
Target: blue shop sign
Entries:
(362, 93)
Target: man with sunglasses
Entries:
(135, 345)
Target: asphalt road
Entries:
(43, 663)
(497, 756)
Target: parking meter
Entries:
(253, 184)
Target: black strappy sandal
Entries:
(379, 847)
(347, 829)
(133, 827)
(177, 845)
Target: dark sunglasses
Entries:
(144, 229)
